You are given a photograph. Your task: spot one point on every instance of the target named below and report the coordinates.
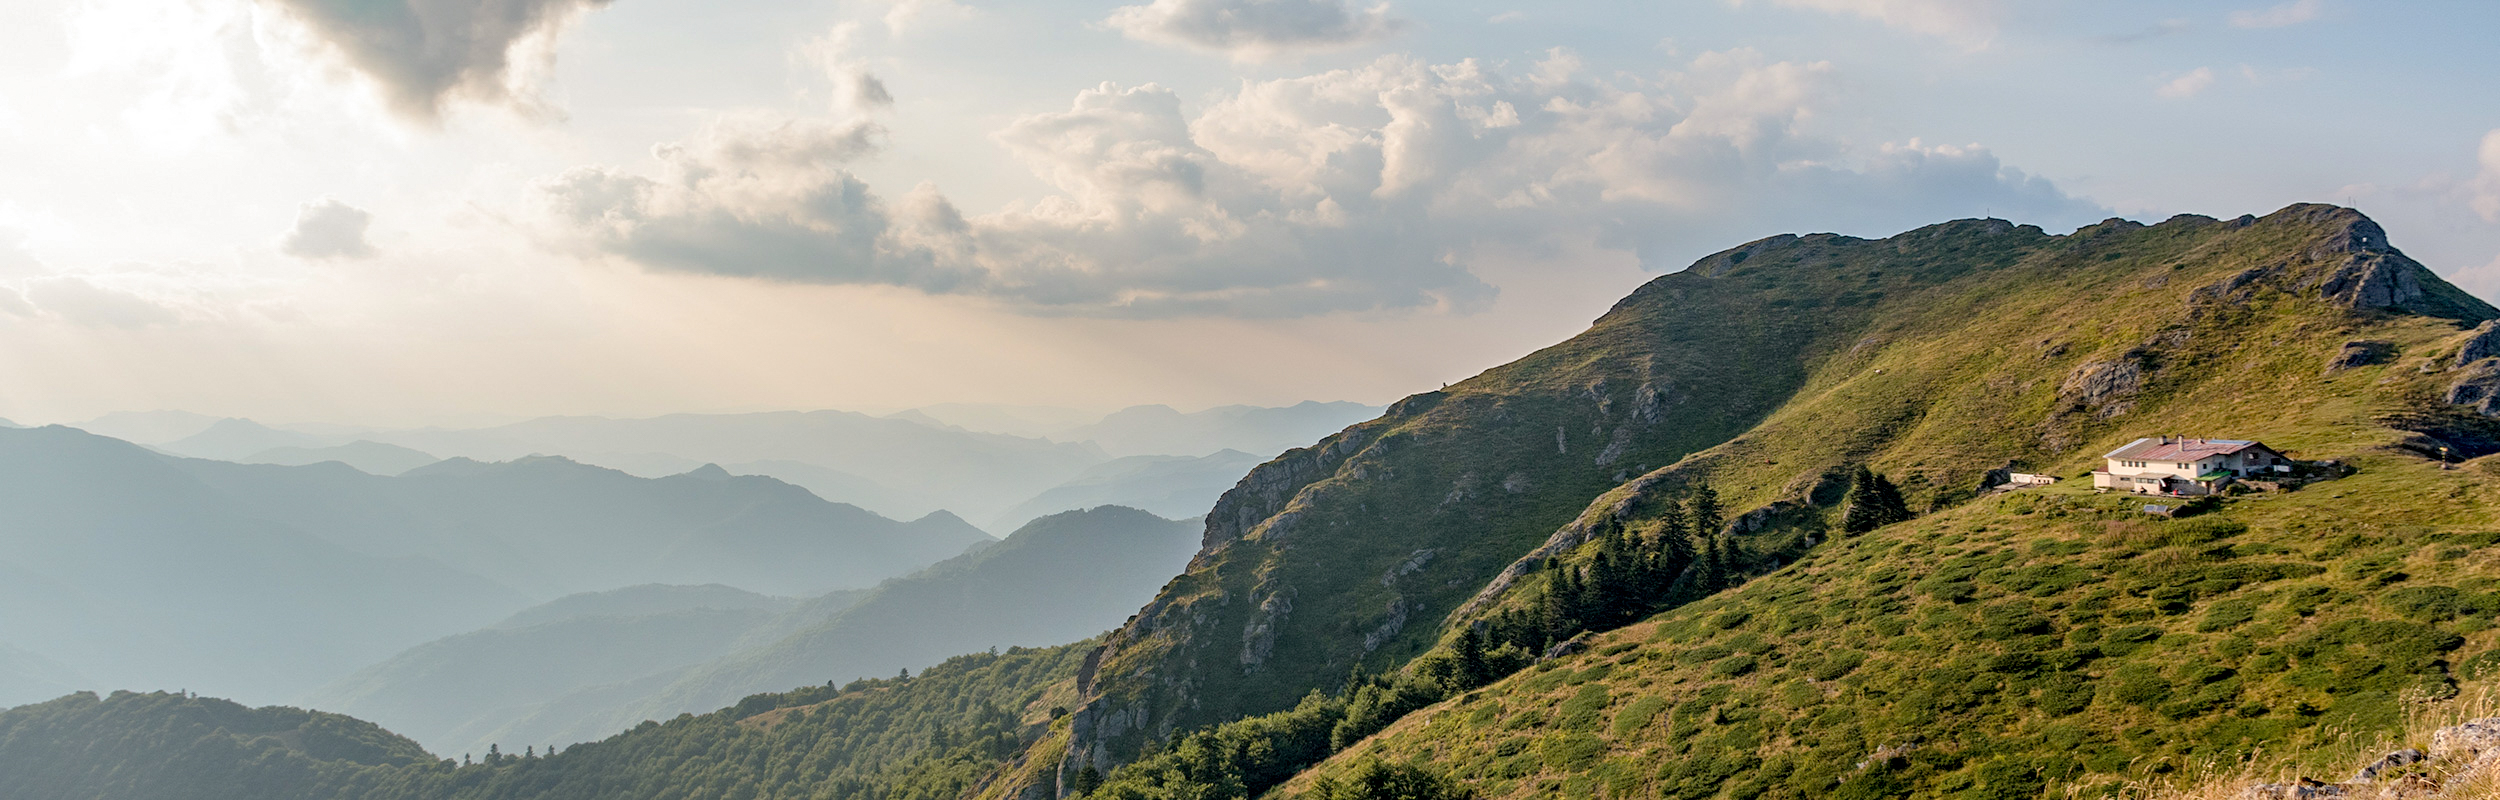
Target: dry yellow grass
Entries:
(2435, 780)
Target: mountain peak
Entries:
(709, 472)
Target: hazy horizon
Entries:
(348, 424)
(268, 209)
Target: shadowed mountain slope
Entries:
(1062, 577)
(130, 571)
(451, 694)
(135, 569)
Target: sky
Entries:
(411, 212)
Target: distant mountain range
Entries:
(454, 691)
(135, 569)
(366, 456)
(586, 666)
(999, 464)
(1179, 487)
(1161, 430)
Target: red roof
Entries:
(2175, 448)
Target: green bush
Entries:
(1377, 780)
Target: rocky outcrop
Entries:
(2101, 384)
(2478, 389)
(2360, 353)
(2477, 741)
(2484, 343)
(2350, 265)
(1269, 488)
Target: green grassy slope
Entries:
(2011, 647)
(2002, 647)
(1768, 370)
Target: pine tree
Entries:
(1469, 649)
(1889, 503)
(1708, 572)
(1865, 509)
(1671, 550)
(1624, 575)
(1707, 517)
(1554, 602)
(1087, 780)
(1575, 594)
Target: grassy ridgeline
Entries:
(2050, 641)
(1772, 372)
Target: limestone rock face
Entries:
(2351, 265)
(2097, 384)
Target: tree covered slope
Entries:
(924, 737)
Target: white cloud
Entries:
(422, 54)
(1356, 189)
(2292, 13)
(2487, 184)
(1971, 22)
(14, 304)
(329, 229)
(855, 89)
(1252, 30)
(750, 196)
(82, 302)
(15, 262)
(909, 14)
(2187, 85)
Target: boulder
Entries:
(2360, 353)
(1566, 647)
(2303, 789)
(2466, 742)
(2478, 388)
(2389, 764)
